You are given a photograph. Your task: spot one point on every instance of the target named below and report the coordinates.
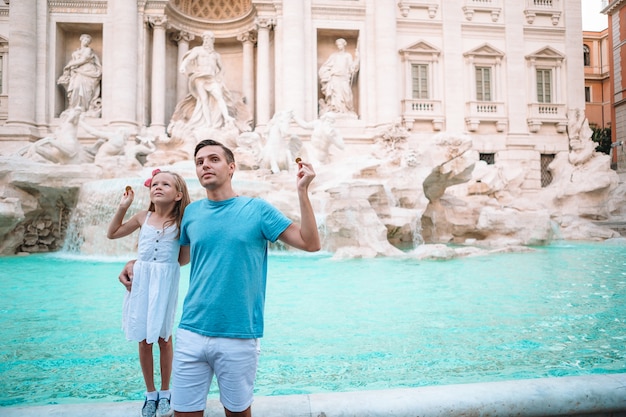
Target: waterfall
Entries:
(97, 203)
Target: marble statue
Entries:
(323, 136)
(581, 146)
(136, 154)
(111, 144)
(209, 110)
(63, 146)
(391, 135)
(81, 79)
(582, 179)
(208, 95)
(336, 78)
(277, 153)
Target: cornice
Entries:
(613, 6)
(84, 6)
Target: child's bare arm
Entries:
(116, 227)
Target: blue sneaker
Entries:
(163, 408)
(149, 408)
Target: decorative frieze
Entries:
(83, 6)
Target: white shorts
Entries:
(197, 358)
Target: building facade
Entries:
(506, 72)
(616, 11)
(597, 78)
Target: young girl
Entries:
(150, 303)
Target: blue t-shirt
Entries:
(229, 243)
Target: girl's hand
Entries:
(127, 198)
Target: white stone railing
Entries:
(425, 110)
(551, 8)
(405, 6)
(494, 7)
(540, 113)
(485, 111)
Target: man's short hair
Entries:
(230, 157)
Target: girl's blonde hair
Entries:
(179, 206)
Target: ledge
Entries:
(593, 395)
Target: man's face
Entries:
(212, 168)
(207, 40)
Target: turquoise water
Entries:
(334, 325)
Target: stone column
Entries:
(248, 40)
(387, 100)
(157, 102)
(182, 38)
(293, 56)
(122, 78)
(517, 94)
(263, 103)
(574, 72)
(23, 60)
(455, 83)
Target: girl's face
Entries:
(163, 189)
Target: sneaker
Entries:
(149, 408)
(163, 408)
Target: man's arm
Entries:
(126, 276)
(183, 255)
(304, 236)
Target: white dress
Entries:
(150, 306)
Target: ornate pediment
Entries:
(547, 53)
(421, 47)
(485, 51)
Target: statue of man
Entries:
(203, 67)
(336, 76)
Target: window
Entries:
(419, 81)
(544, 86)
(1, 63)
(586, 56)
(546, 175)
(489, 158)
(587, 94)
(483, 84)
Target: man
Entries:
(203, 66)
(225, 236)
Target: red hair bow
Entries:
(148, 182)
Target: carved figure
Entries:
(208, 94)
(136, 155)
(111, 146)
(324, 136)
(393, 134)
(336, 78)
(581, 146)
(63, 146)
(276, 154)
(81, 78)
